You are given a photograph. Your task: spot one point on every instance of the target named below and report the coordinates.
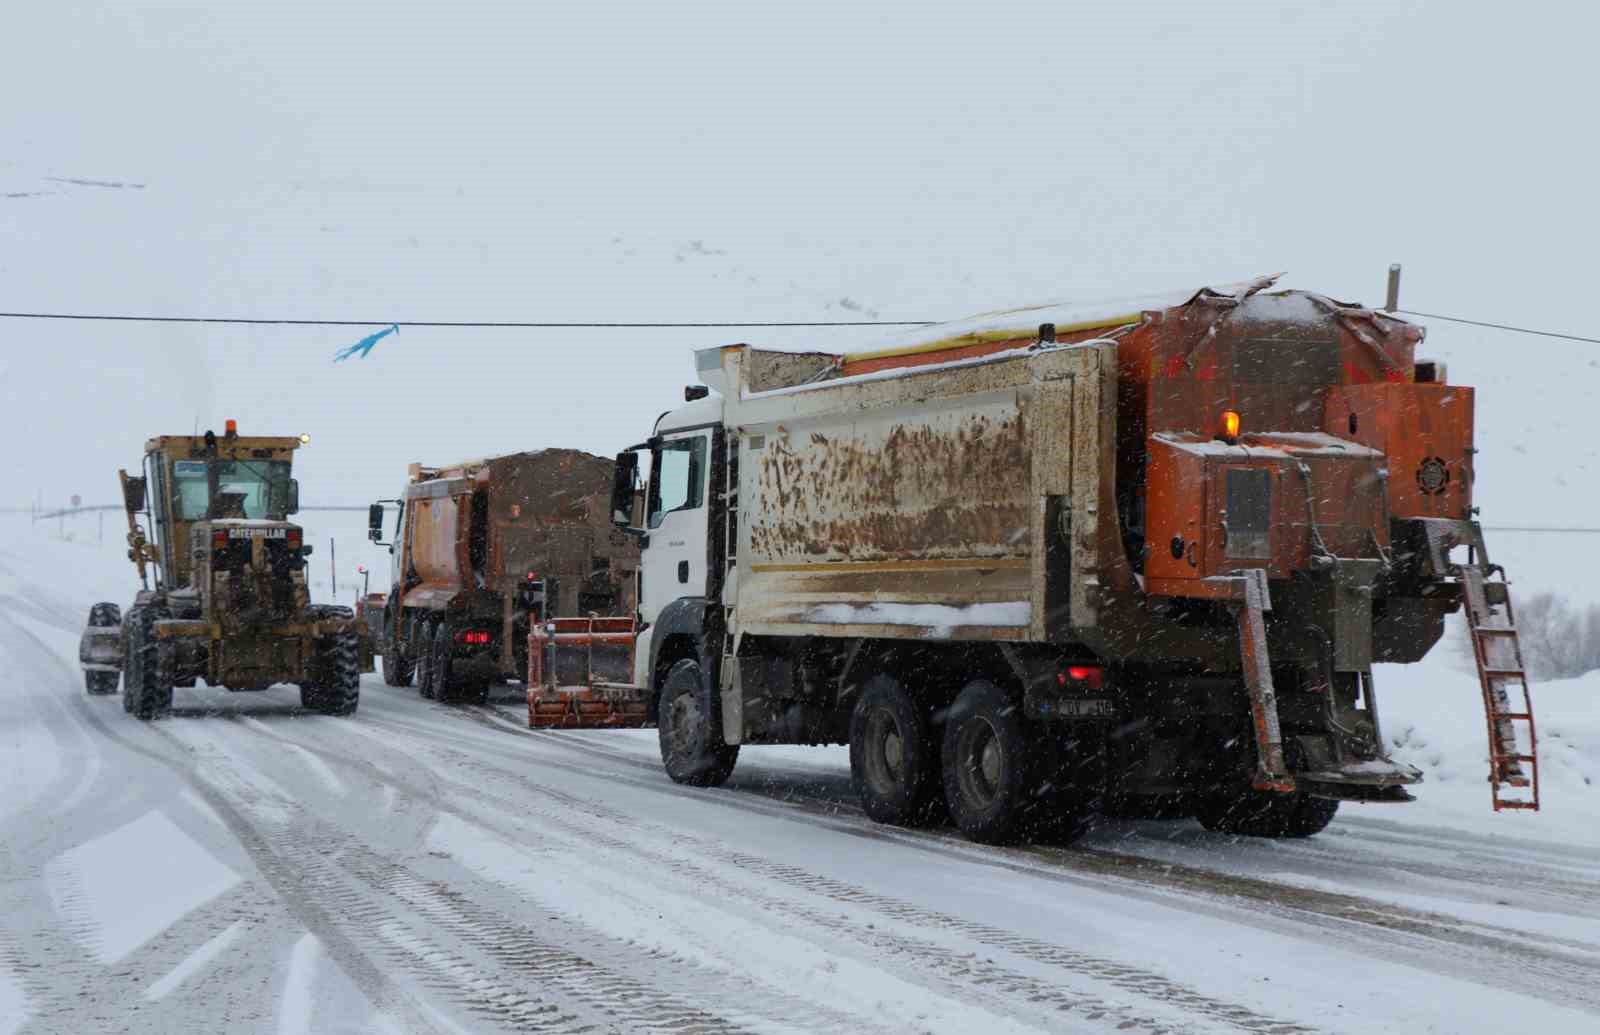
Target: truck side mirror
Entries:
(624, 478)
(293, 506)
(375, 523)
(132, 493)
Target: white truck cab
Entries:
(674, 526)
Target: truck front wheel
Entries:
(894, 755)
(988, 765)
(692, 748)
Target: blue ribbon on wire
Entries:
(364, 346)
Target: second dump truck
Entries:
(1060, 560)
(486, 548)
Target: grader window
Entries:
(193, 485)
(1249, 495)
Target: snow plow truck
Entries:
(1063, 560)
(228, 601)
(487, 551)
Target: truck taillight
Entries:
(473, 637)
(294, 538)
(219, 539)
(1086, 677)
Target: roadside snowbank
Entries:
(1432, 714)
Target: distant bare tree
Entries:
(1560, 639)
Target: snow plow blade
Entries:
(578, 672)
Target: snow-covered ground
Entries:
(244, 867)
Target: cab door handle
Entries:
(683, 571)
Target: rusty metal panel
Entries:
(433, 530)
(1426, 430)
(904, 506)
(543, 512)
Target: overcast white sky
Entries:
(499, 160)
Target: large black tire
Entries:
(894, 755)
(991, 768)
(148, 662)
(131, 657)
(423, 639)
(692, 748)
(397, 668)
(342, 661)
(445, 683)
(1266, 814)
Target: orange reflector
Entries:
(1230, 425)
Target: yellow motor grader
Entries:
(222, 573)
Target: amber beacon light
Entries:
(1228, 427)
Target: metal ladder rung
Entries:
(1503, 673)
(1493, 630)
(1515, 716)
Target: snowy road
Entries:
(243, 867)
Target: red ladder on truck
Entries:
(1498, 651)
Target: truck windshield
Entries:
(262, 484)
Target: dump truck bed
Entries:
(956, 500)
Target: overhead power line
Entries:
(1501, 326)
(641, 324)
(620, 324)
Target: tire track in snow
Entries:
(1001, 988)
(1565, 978)
(588, 992)
(296, 899)
(195, 962)
(571, 935)
(295, 1006)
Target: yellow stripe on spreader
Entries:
(985, 337)
(929, 564)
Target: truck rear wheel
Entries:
(445, 682)
(1266, 814)
(423, 644)
(894, 755)
(397, 668)
(989, 763)
(692, 749)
